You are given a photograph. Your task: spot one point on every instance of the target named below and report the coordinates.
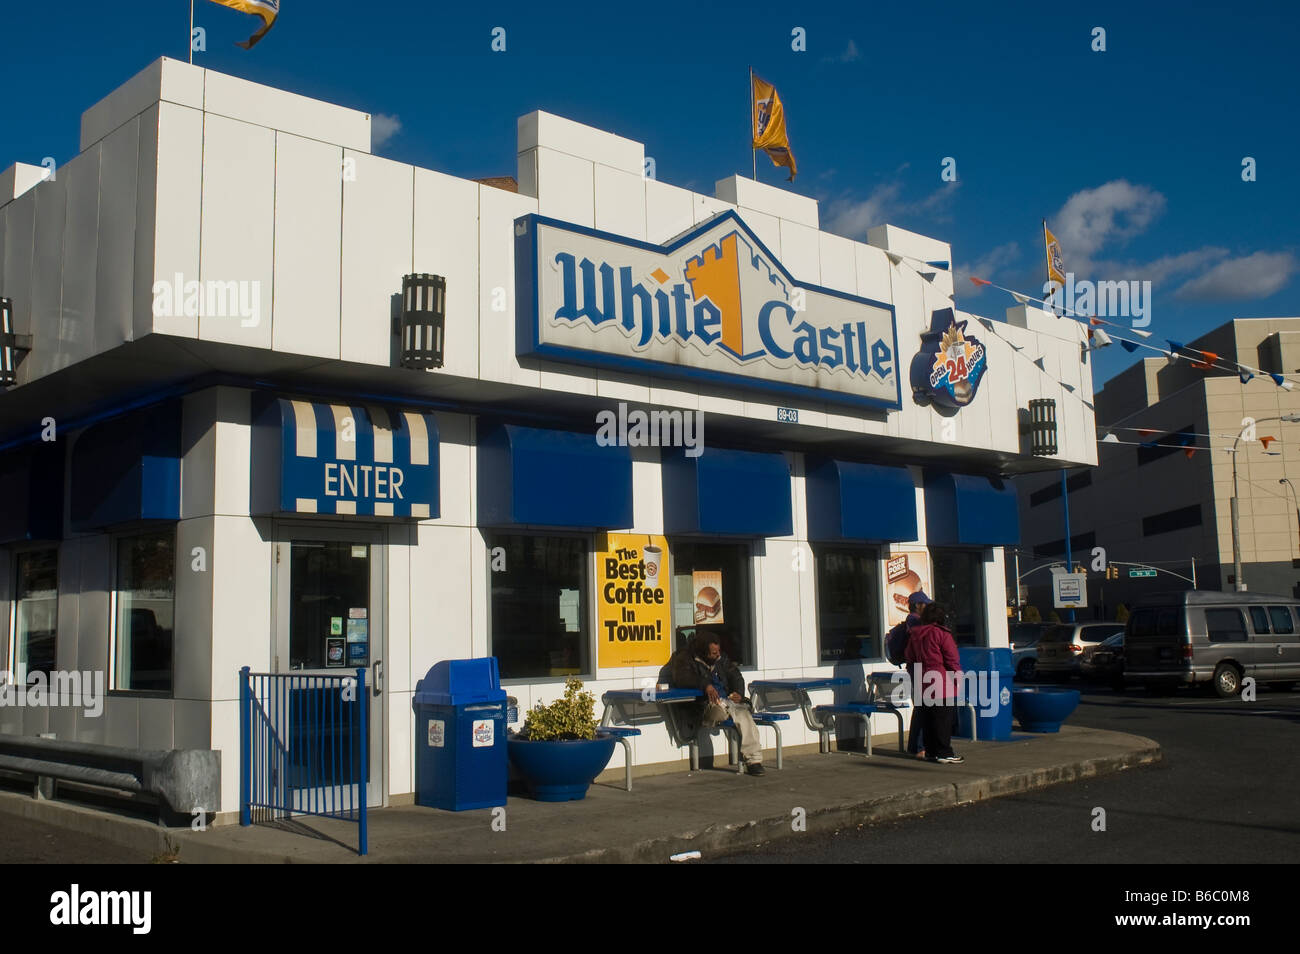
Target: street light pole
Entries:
(1069, 555)
(1236, 534)
(1287, 481)
(1238, 585)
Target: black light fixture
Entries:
(1042, 427)
(13, 348)
(424, 312)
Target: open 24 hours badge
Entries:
(950, 364)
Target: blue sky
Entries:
(1134, 155)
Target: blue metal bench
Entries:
(777, 697)
(626, 709)
(621, 735)
(791, 694)
(880, 698)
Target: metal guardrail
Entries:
(304, 747)
(185, 780)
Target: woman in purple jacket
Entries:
(931, 655)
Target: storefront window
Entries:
(848, 610)
(146, 576)
(959, 588)
(538, 605)
(712, 593)
(36, 612)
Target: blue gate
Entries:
(304, 747)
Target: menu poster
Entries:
(906, 571)
(633, 609)
(707, 585)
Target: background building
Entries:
(1157, 505)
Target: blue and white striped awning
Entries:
(347, 459)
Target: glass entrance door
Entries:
(329, 616)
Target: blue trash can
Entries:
(993, 720)
(460, 736)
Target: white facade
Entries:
(186, 172)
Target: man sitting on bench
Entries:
(701, 665)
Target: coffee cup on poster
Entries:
(652, 557)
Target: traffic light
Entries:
(1112, 572)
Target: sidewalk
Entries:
(714, 811)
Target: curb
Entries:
(134, 833)
(726, 839)
(711, 840)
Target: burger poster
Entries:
(707, 585)
(906, 571)
(633, 609)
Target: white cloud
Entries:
(1253, 276)
(986, 266)
(1113, 212)
(1161, 269)
(850, 54)
(852, 217)
(936, 199)
(383, 128)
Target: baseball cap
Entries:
(919, 597)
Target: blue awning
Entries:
(31, 492)
(344, 459)
(128, 469)
(851, 501)
(727, 493)
(539, 477)
(962, 510)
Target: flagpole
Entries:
(753, 122)
(189, 41)
(1047, 258)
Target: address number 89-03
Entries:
(788, 415)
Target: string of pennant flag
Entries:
(897, 258)
(1198, 358)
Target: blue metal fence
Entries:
(304, 747)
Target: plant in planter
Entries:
(557, 751)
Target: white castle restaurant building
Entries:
(236, 441)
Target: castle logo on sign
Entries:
(712, 305)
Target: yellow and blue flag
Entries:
(1055, 260)
(770, 133)
(268, 10)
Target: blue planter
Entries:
(560, 771)
(1042, 708)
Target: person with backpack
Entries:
(933, 654)
(895, 650)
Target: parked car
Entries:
(1061, 646)
(1212, 637)
(1024, 658)
(1025, 634)
(1105, 661)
